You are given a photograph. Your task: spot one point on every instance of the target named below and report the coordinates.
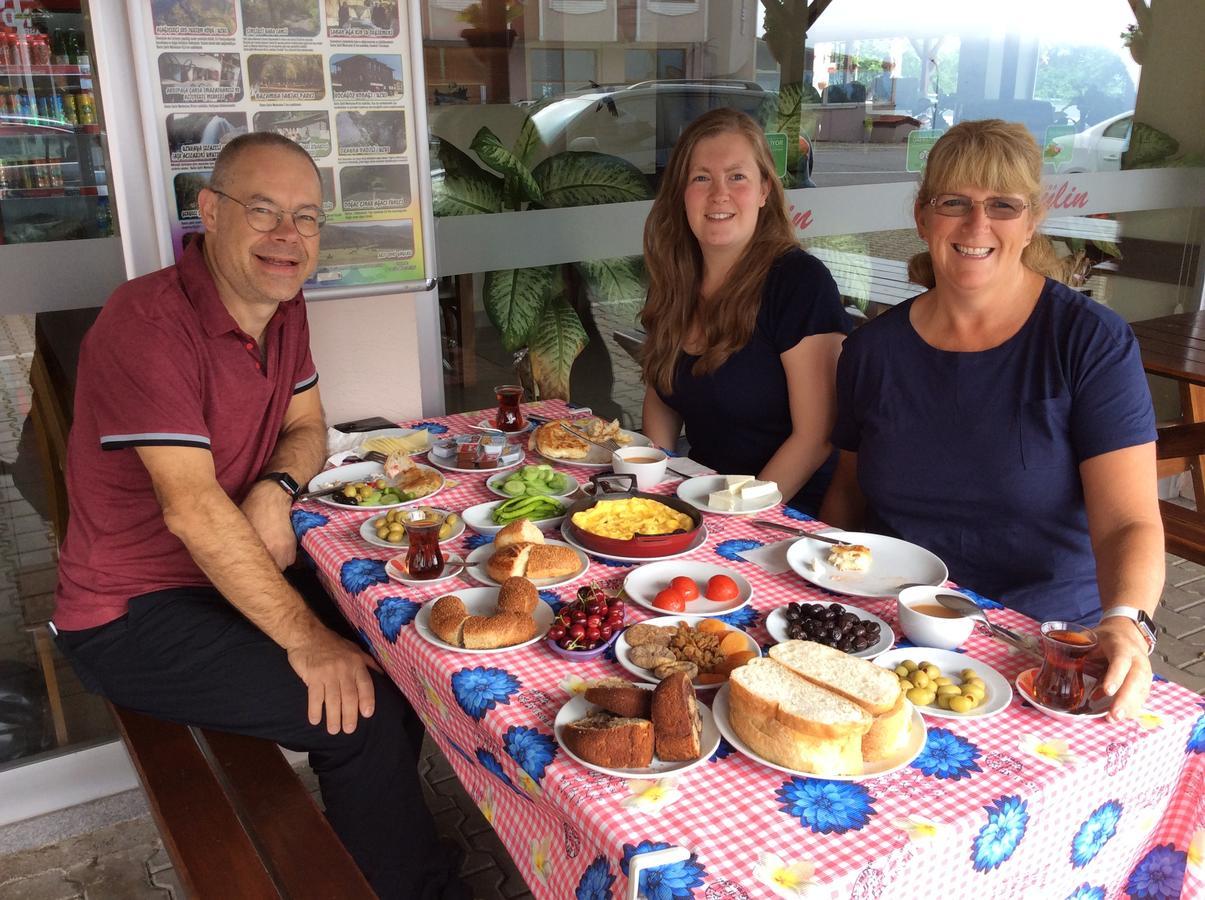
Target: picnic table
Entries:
(1016, 805)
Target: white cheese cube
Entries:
(757, 490)
(722, 500)
(734, 482)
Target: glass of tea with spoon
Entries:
(424, 559)
(1060, 682)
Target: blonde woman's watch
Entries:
(1143, 622)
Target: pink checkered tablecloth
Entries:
(1017, 805)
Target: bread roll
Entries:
(502, 629)
(508, 562)
(621, 698)
(677, 727)
(551, 561)
(520, 531)
(611, 741)
(518, 595)
(447, 619)
(872, 687)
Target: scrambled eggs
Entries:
(624, 519)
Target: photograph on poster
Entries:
(187, 185)
(207, 78)
(181, 17)
(285, 76)
(201, 136)
(309, 128)
(373, 188)
(365, 76)
(376, 132)
(365, 18)
(355, 250)
(327, 175)
(280, 18)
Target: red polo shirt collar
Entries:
(198, 285)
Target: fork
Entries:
(763, 523)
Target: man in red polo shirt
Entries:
(197, 416)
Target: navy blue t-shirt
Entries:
(976, 455)
(739, 415)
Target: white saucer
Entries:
(369, 532)
(395, 568)
(695, 490)
(1094, 710)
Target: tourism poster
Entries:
(341, 79)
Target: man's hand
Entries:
(336, 673)
(267, 509)
(1128, 677)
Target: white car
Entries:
(1096, 149)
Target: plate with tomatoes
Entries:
(687, 588)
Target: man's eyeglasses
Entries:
(957, 205)
(264, 216)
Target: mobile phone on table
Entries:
(370, 424)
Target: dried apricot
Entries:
(711, 678)
(733, 642)
(714, 626)
(732, 660)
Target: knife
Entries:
(764, 523)
(324, 492)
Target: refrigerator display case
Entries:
(53, 155)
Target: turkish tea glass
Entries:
(1060, 682)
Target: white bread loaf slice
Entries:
(873, 688)
(764, 690)
(772, 740)
(889, 734)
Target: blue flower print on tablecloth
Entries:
(744, 618)
(303, 520)
(1196, 738)
(612, 563)
(596, 881)
(902, 643)
(673, 881)
(553, 600)
(731, 549)
(394, 612)
(1159, 875)
(480, 689)
(1094, 833)
(473, 541)
(1007, 819)
(531, 749)
(433, 427)
(1087, 892)
(946, 755)
(723, 751)
(490, 763)
(792, 513)
(826, 807)
(359, 573)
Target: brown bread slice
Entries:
(621, 698)
(677, 726)
(611, 741)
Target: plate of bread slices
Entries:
(485, 620)
(809, 709)
(521, 549)
(865, 564)
(556, 444)
(637, 730)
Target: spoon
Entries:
(968, 608)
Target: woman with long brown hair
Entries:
(744, 327)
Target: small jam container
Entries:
(492, 446)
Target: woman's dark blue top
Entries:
(739, 415)
(976, 455)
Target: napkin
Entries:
(340, 444)
(771, 558)
(686, 468)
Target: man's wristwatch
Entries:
(287, 482)
(1143, 622)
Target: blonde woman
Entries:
(1003, 420)
(744, 327)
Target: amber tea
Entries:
(1060, 682)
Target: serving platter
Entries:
(623, 650)
(480, 518)
(368, 532)
(917, 735)
(699, 541)
(894, 565)
(494, 482)
(365, 471)
(579, 707)
(776, 625)
(512, 455)
(643, 584)
(482, 601)
(695, 491)
(999, 692)
(477, 559)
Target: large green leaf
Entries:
(556, 340)
(466, 196)
(527, 141)
(513, 301)
(614, 280)
(587, 178)
(493, 154)
(455, 161)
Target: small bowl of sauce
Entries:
(929, 624)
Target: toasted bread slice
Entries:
(611, 741)
(872, 687)
(677, 726)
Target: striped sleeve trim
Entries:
(305, 384)
(153, 439)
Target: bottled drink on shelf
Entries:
(39, 50)
(58, 48)
(72, 46)
(70, 116)
(85, 109)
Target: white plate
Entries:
(999, 691)
(392, 432)
(623, 649)
(481, 520)
(916, 743)
(695, 490)
(482, 601)
(776, 624)
(571, 485)
(1095, 709)
(363, 472)
(477, 559)
(369, 532)
(512, 457)
(597, 457)
(893, 564)
(699, 541)
(579, 708)
(395, 568)
(488, 426)
(644, 583)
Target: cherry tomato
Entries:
(686, 587)
(669, 600)
(722, 589)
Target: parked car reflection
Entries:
(1096, 149)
